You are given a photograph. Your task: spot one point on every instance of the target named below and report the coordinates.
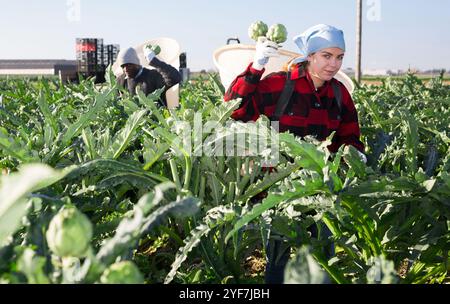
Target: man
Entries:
(136, 76)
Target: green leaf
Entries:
(86, 118)
(173, 140)
(150, 102)
(304, 269)
(88, 139)
(302, 188)
(337, 160)
(123, 138)
(351, 157)
(45, 109)
(412, 141)
(110, 77)
(215, 217)
(332, 180)
(153, 153)
(13, 147)
(110, 166)
(190, 243)
(224, 110)
(33, 267)
(14, 191)
(281, 173)
(218, 86)
(131, 178)
(131, 229)
(130, 106)
(217, 188)
(308, 155)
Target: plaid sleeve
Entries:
(245, 86)
(348, 132)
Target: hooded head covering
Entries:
(128, 55)
(317, 38)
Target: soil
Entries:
(255, 264)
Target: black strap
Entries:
(289, 89)
(284, 98)
(337, 94)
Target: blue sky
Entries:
(408, 33)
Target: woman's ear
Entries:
(311, 57)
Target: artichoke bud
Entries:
(257, 29)
(155, 48)
(124, 272)
(69, 233)
(277, 33)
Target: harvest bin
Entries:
(231, 60)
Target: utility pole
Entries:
(358, 40)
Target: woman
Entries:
(306, 100)
(312, 108)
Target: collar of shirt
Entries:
(137, 75)
(298, 73)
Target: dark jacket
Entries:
(164, 75)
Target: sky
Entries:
(397, 34)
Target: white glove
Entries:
(149, 54)
(363, 157)
(264, 50)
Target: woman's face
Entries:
(325, 63)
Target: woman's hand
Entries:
(264, 50)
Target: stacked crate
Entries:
(110, 52)
(90, 55)
(93, 56)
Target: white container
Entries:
(170, 54)
(231, 60)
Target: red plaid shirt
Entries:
(308, 112)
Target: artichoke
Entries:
(257, 29)
(69, 233)
(277, 33)
(124, 272)
(155, 48)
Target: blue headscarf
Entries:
(317, 38)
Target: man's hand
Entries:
(264, 50)
(149, 54)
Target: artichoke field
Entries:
(96, 187)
